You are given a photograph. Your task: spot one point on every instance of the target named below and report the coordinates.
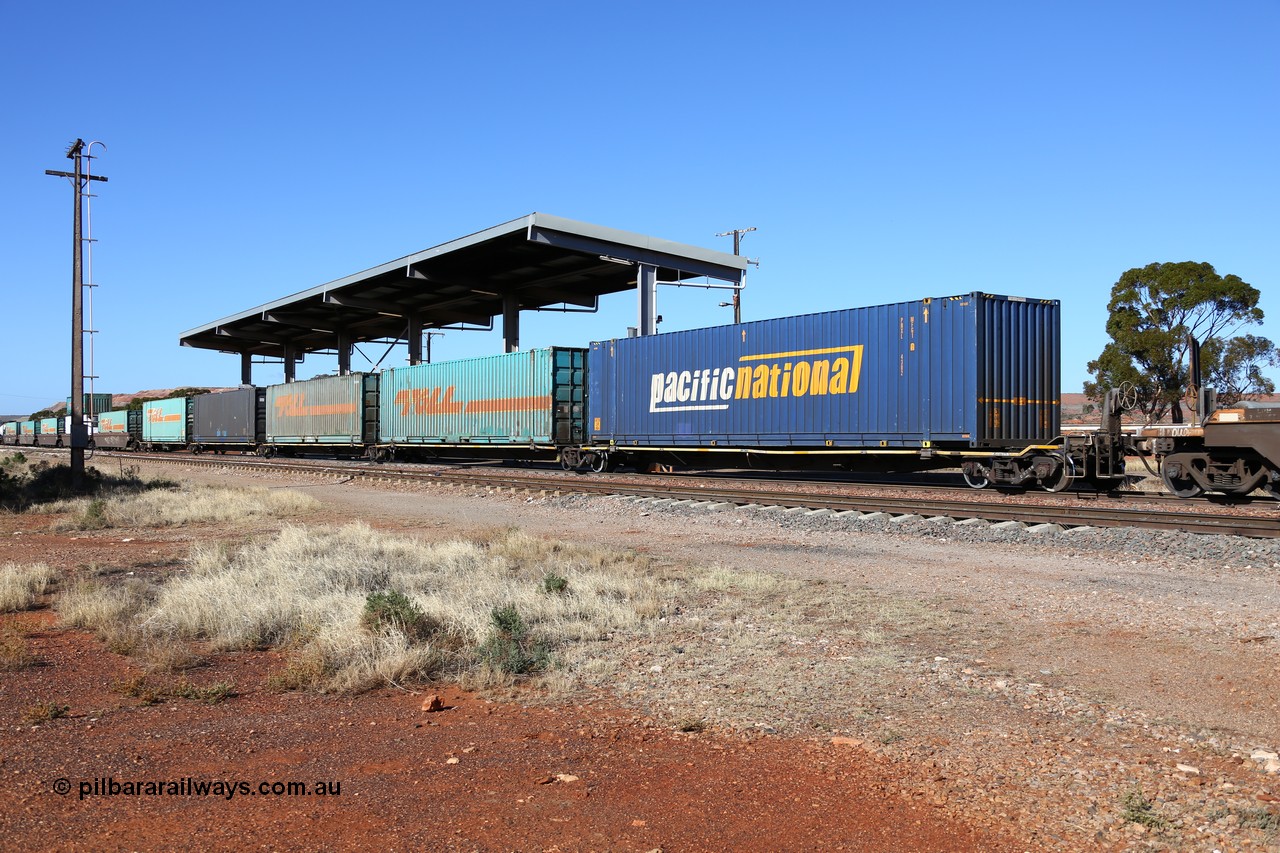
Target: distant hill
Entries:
(119, 401)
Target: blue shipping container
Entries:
(967, 371)
(524, 398)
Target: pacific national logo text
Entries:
(804, 373)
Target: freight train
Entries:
(969, 382)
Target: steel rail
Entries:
(1189, 521)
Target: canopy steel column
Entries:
(647, 288)
(290, 363)
(511, 322)
(246, 368)
(414, 336)
(344, 353)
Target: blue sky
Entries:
(884, 152)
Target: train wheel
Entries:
(1062, 476)
(1176, 479)
(975, 476)
(599, 462)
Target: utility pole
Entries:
(429, 335)
(79, 183)
(737, 245)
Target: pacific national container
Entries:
(118, 429)
(328, 410)
(49, 432)
(230, 418)
(527, 398)
(166, 422)
(27, 432)
(968, 371)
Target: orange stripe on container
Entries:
(306, 411)
(508, 404)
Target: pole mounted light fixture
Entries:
(737, 245)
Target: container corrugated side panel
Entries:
(27, 433)
(93, 404)
(229, 417)
(113, 423)
(165, 421)
(1019, 392)
(324, 410)
(512, 398)
(51, 426)
(852, 378)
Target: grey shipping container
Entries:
(527, 398)
(336, 411)
(229, 419)
(970, 371)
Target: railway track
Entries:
(1190, 520)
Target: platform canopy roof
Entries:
(531, 263)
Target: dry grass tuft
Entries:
(149, 692)
(15, 653)
(43, 712)
(356, 608)
(21, 586)
(181, 506)
(353, 608)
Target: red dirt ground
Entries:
(477, 775)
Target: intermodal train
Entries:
(969, 382)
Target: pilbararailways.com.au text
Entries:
(226, 789)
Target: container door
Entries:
(568, 388)
(369, 420)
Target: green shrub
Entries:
(510, 649)
(554, 584)
(1138, 809)
(395, 610)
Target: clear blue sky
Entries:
(885, 151)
